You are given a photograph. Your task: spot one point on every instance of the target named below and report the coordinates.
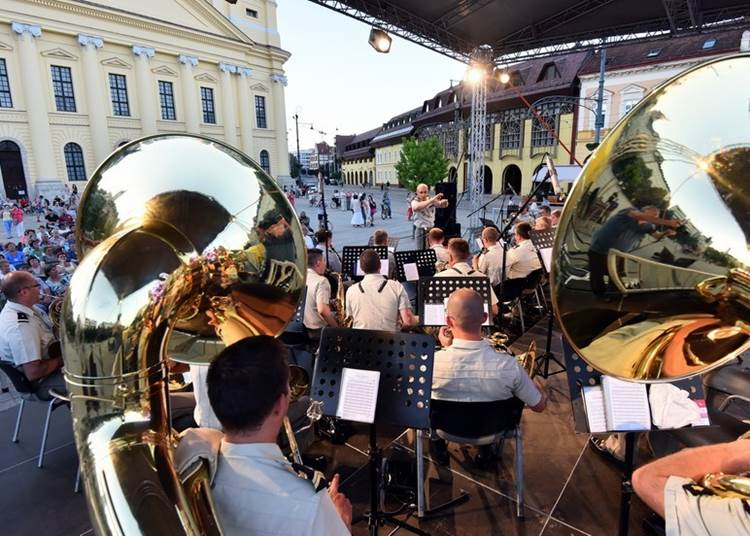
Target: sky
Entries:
(337, 80)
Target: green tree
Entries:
(294, 166)
(421, 162)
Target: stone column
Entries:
(246, 111)
(145, 89)
(189, 94)
(36, 101)
(96, 103)
(227, 100)
(279, 111)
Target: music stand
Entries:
(350, 259)
(544, 241)
(433, 291)
(581, 374)
(405, 362)
(425, 259)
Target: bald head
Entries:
(466, 309)
(15, 283)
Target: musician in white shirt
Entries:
(458, 248)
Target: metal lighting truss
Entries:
(481, 59)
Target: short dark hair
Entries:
(380, 238)
(322, 236)
(313, 256)
(370, 261)
(245, 381)
(523, 230)
(459, 248)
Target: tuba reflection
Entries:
(180, 235)
(651, 276)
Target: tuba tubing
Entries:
(172, 227)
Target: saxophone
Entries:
(339, 303)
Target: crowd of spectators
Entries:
(48, 253)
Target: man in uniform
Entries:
(520, 261)
(423, 207)
(324, 239)
(380, 238)
(490, 263)
(458, 250)
(26, 334)
(669, 487)
(318, 313)
(469, 369)
(377, 302)
(435, 240)
(256, 490)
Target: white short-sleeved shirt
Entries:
(25, 334)
(473, 371)
(462, 269)
(423, 218)
(441, 252)
(371, 309)
(318, 291)
(686, 514)
(257, 492)
(491, 264)
(203, 413)
(520, 261)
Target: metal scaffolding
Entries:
(481, 60)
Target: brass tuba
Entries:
(180, 235)
(651, 278)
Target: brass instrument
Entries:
(659, 289)
(527, 360)
(339, 305)
(182, 234)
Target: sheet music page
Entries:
(391, 249)
(479, 242)
(359, 395)
(434, 314)
(546, 254)
(384, 267)
(358, 269)
(593, 400)
(626, 405)
(411, 271)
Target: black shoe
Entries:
(486, 457)
(319, 463)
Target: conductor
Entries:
(423, 207)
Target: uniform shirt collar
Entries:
(252, 450)
(466, 344)
(374, 276)
(462, 266)
(20, 307)
(494, 246)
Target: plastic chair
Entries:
(483, 423)
(29, 393)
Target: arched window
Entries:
(265, 161)
(74, 162)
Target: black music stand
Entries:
(434, 290)
(425, 259)
(581, 374)
(350, 258)
(405, 362)
(544, 241)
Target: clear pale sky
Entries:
(337, 80)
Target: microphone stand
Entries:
(484, 207)
(505, 230)
(325, 211)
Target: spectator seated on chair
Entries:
(469, 369)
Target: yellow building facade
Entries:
(358, 171)
(386, 159)
(78, 79)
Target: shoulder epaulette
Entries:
(22, 317)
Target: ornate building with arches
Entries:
(78, 79)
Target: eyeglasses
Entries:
(32, 286)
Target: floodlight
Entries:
(380, 40)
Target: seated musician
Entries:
(435, 239)
(318, 313)
(255, 489)
(377, 302)
(324, 241)
(469, 369)
(490, 263)
(520, 261)
(380, 238)
(668, 486)
(458, 251)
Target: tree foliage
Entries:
(421, 162)
(294, 166)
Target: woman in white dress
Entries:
(357, 219)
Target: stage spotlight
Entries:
(380, 41)
(504, 77)
(475, 74)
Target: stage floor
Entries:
(570, 489)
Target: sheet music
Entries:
(411, 271)
(593, 399)
(626, 405)
(391, 249)
(546, 254)
(479, 243)
(359, 395)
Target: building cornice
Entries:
(651, 68)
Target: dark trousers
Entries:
(597, 271)
(421, 238)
